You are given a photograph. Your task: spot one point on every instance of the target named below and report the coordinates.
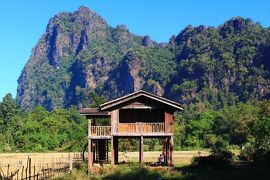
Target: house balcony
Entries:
(128, 129)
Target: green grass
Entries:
(137, 171)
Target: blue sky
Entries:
(22, 22)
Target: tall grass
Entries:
(130, 171)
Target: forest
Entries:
(244, 126)
(221, 76)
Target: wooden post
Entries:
(70, 163)
(166, 151)
(171, 152)
(107, 151)
(163, 147)
(89, 127)
(8, 170)
(34, 172)
(94, 149)
(112, 148)
(90, 148)
(141, 150)
(26, 169)
(90, 155)
(116, 150)
(22, 172)
(30, 168)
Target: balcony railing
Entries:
(140, 128)
(100, 131)
(127, 129)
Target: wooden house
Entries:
(137, 115)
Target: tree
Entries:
(7, 110)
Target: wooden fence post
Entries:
(70, 163)
(22, 172)
(34, 172)
(29, 168)
(8, 170)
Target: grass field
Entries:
(11, 162)
(182, 170)
(42, 159)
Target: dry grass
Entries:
(38, 160)
(180, 157)
(44, 159)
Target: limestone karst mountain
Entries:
(80, 54)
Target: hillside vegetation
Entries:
(221, 75)
(80, 54)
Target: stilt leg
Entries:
(163, 146)
(116, 150)
(171, 152)
(113, 149)
(90, 156)
(141, 150)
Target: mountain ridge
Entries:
(80, 54)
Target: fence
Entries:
(20, 171)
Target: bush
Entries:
(262, 157)
(247, 152)
(220, 160)
(220, 155)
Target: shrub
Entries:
(262, 157)
(220, 160)
(220, 155)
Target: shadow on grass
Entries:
(133, 171)
(234, 172)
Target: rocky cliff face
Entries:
(80, 53)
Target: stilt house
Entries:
(137, 115)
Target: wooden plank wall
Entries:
(169, 118)
(114, 120)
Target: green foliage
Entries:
(259, 150)
(8, 109)
(40, 130)
(216, 73)
(231, 126)
(216, 160)
(218, 67)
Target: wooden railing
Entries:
(127, 128)
(133, 128)
(100, 131)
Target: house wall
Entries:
(114, 119)
(169, 119)
(141, 115)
